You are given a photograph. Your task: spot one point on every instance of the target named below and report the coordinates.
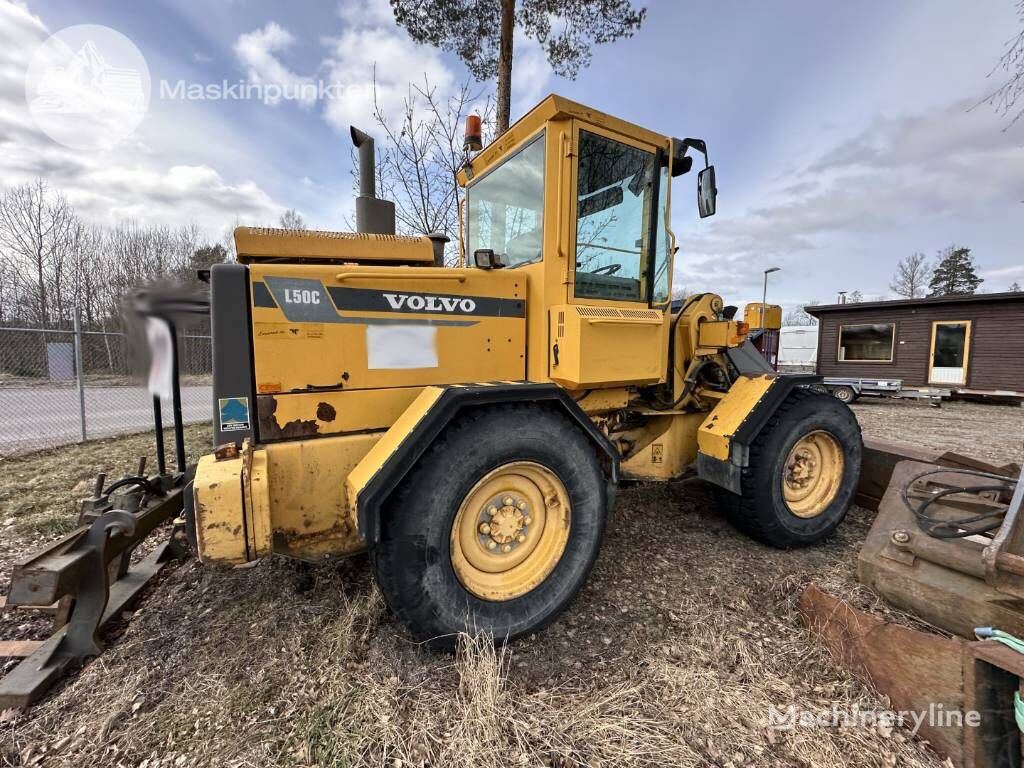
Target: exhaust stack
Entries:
(373, 215)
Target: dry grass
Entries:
(673, 654)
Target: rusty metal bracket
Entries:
(90, 571)
(924, 672)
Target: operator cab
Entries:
(620, 179)
(579, 202)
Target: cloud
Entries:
(126, 181)
(373, 50)
(948, 163)
(531, 73)
(993, 277)
(367, 14)
(256, 51)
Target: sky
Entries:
(845, 136)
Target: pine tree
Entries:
(481, 32)
(954, 273)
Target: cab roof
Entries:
(555, 107)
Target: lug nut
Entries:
(507, 548)
(521, 538)
(527, 520)
(492, 511)
(900, 537)
(485, 528)
(507, 501)
(521, 505)
(491, 544)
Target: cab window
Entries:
(506, 207)
(615, 194)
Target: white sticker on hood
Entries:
(391, 347)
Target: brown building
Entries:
(971, 344)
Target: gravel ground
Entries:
(991, 432)
(682, 640)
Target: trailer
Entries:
(849, 389)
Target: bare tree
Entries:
(1015, 287)
(854, 297)
(292, 219)
(417, 160)
(34, 229)
(911, 277)
(1004, 98)
(800, 316)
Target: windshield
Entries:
(506, 207)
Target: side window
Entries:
(662, 246)
(614, 198)
(506, 207)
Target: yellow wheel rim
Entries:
(510, 531)
(812, 474)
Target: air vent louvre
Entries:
(584, 311)
(640, 314)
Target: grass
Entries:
(673, 654)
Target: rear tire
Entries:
(525, 453)
(824, 429)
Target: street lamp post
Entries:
(764, 293)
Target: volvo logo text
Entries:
(418, 303)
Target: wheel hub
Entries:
(510, 531)
(801, 471)
(812, 474)
(505, 522)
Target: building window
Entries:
(870, 342)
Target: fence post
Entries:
(79, 373)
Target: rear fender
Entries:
(379, 473)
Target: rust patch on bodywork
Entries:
(325, 412)
(270, 429)
(340, 540)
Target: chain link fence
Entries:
(65, 386)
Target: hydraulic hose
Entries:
(961, 527)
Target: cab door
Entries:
(613, 328)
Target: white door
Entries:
(950, 343)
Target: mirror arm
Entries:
(697, 144)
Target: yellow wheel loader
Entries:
(468, 426)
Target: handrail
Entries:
(561, 192)
(390, 275)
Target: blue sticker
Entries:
(234, 413)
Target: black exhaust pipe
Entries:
(373, 215)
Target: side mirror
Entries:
(707, 192)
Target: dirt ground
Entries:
(991, 432)
(675, 651)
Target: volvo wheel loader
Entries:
(469, 426)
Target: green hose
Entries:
(988, 633)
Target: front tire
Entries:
(495, 529)
(802, 473)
